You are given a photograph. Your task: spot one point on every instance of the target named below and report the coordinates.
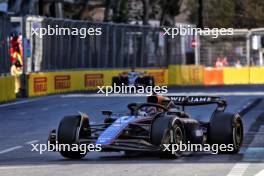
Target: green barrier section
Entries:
(236, 75)
(7, 88)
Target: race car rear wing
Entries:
(188, 101)
(197, 100)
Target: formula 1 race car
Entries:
(149, 126)
(133, 78)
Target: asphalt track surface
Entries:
(29, 121)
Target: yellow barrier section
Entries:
(7, 88)
(196, 74)
(172, 75)
(186, 75)
(236, 75)
(60, 82)
(68, 81)
(2, 89)
(160, 76)
(256, 75)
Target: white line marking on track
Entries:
(31, 142)
(260, 173)
(239, 169)
(16, 103)
(26, 101)
(10, 149)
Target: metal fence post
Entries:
(248, 47)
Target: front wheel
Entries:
(69, 131)
(168, 130)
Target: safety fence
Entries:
(7, 88)
(233, 47)
(245, 47)
(117, 46)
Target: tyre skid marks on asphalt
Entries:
(22, 113)
(250, 153)
(255, 150)
(44, 109)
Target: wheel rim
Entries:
(178, 137)
(237, 134)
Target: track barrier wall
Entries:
(256, 75)
(44, 83)
(236, 75)
(7, 88)
(186, 75)
(182, 75)
(69, 81)
(213, 76)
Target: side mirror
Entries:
(133, 107)
(107, 113)
(221, 106)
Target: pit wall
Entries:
(7, 88)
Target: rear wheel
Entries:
(226, 128)
(69, 131)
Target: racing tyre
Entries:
(69, 131)
(167, 130)
(226, 128)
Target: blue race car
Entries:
(133, 78)
(149, 126)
